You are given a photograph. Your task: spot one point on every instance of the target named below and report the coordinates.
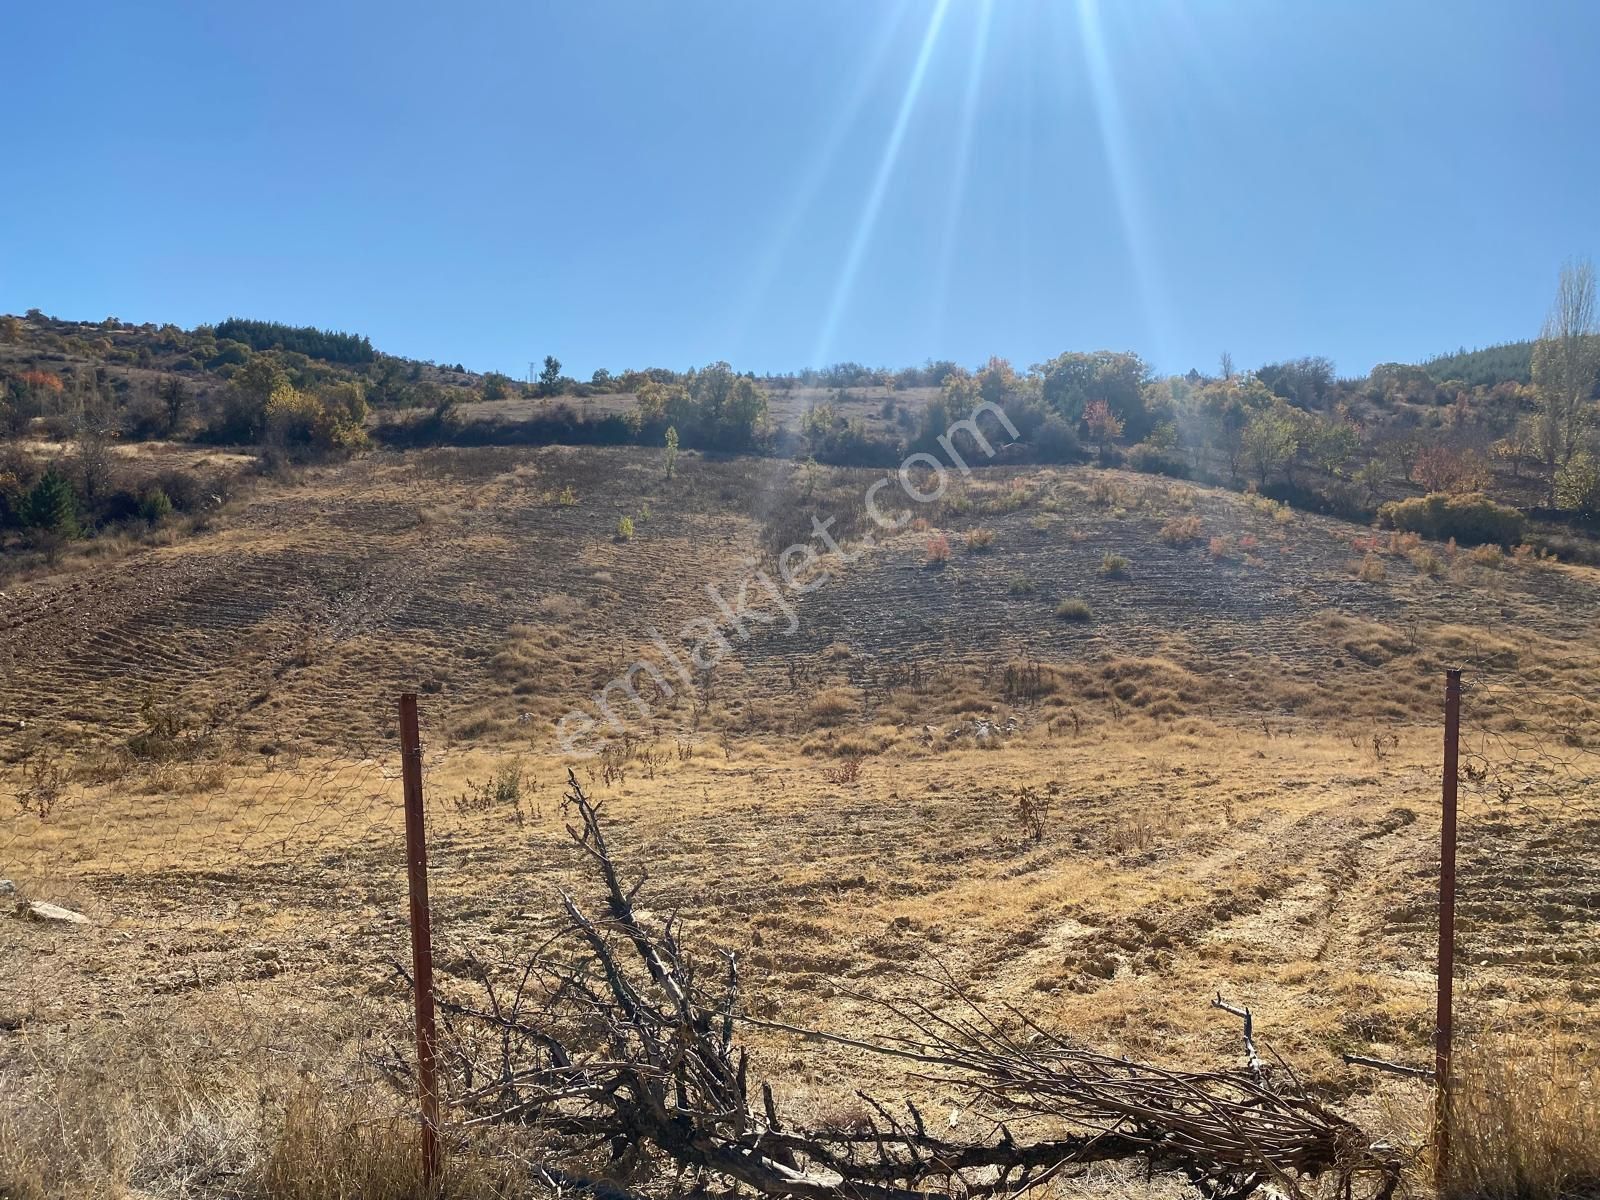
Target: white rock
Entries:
(45, 911)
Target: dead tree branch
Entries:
(613, 1038)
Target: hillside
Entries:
(1510, 362)
(1229, 709)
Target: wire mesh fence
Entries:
(1528, 906)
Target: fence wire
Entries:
(1528, 888)
(207, 872)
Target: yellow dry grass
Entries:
(1242, 762)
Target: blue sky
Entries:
(782, 184)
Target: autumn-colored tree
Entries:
(43, 383)
(1446, 469)
(1102, 423)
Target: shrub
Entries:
(1426, 562)
(1107, 493)
(1021, 585)
(979, 541)
(625, 529)
(847, 772)
(1074, 609)
(1181, 531)
(1219, 548)
(938, 549)
(155, 506)
(1032, 811)
(832, 705)
(1471, 517)
(1055, 441)
(1154, 460)
(1489, 556)
(1114, 566)
(1371, 569)
(1402, 544)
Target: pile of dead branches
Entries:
(613, 1040)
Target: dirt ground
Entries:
(1239, 752)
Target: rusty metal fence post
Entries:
(421, 935)
(1443, 1021)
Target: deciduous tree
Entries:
(1566, 364)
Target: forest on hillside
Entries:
(1513, 423)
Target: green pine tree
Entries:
(52, 507)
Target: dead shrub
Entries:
(832, 705)
(1489, 556)
(980, 541)
(847, 772)
(1181, 531)
(1030, 809)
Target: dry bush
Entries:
(195, 1103)
(1031, 810)
(1426, 562)
(847, 771)
(979, 541)
(1114, 566)
(938, 550)
(832, 705)
(1489, 555)
(1220, 548)
(557, 607)
(1370, 569)
(1138, 831)
(1074, 609)
(1107, 493)
(1401, 545)
(326, 1149)
(1525, 1121)
(1181, 531)
(1022, 585)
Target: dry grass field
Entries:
(1230, 749)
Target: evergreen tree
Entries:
(52, 506)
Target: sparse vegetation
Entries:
(886, 737)
(1074, 609)
(1115, 566)
(1182, 531)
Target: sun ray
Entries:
(880, 186)
(958, 175)
(765, 273)
(1115, 141)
